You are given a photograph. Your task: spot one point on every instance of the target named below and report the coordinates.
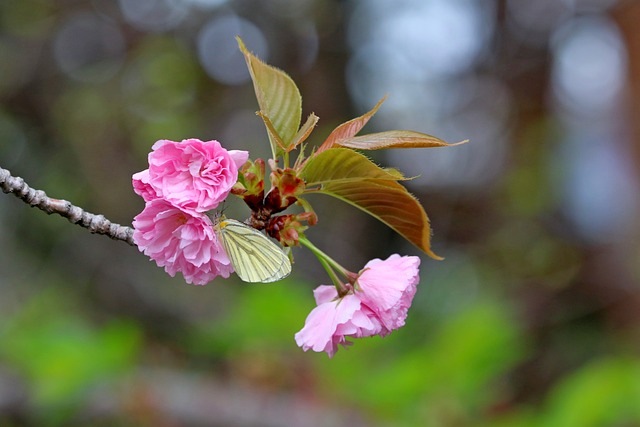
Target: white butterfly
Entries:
(254, 256)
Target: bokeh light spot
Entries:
(600, 187)
(207, 4)
(589, 65)
(89, 49)
(218, 50)
(436, 37)
(154, 15)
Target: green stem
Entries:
(322, 256)
(332, 275)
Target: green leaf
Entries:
(348, 129)
(394, 139)
(278, 97)
(355, 179)
(389, 202)
(304, 131)
(274, 137)
(342, 165)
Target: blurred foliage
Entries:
(531, 320)
(458, 366)
(265, 316)
(63, 357)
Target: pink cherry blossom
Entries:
(142, 187)
(377, 305)
(191, 174)
(181, 241)
(388, 287)
(335, 319)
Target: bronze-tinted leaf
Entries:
(394, 139)
(389, 202)
(348, 129)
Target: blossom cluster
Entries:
(185, 180)
(376, 305)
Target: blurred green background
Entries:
(533, 318)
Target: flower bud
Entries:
(286, 187)
(251, 183)
(287, 229)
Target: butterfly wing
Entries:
(254, 257)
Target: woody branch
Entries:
(37, 198)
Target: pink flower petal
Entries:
(388, 288)
(180, 241)
(332, 322)
(142, 187)
(191, 174)
(378, 305)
